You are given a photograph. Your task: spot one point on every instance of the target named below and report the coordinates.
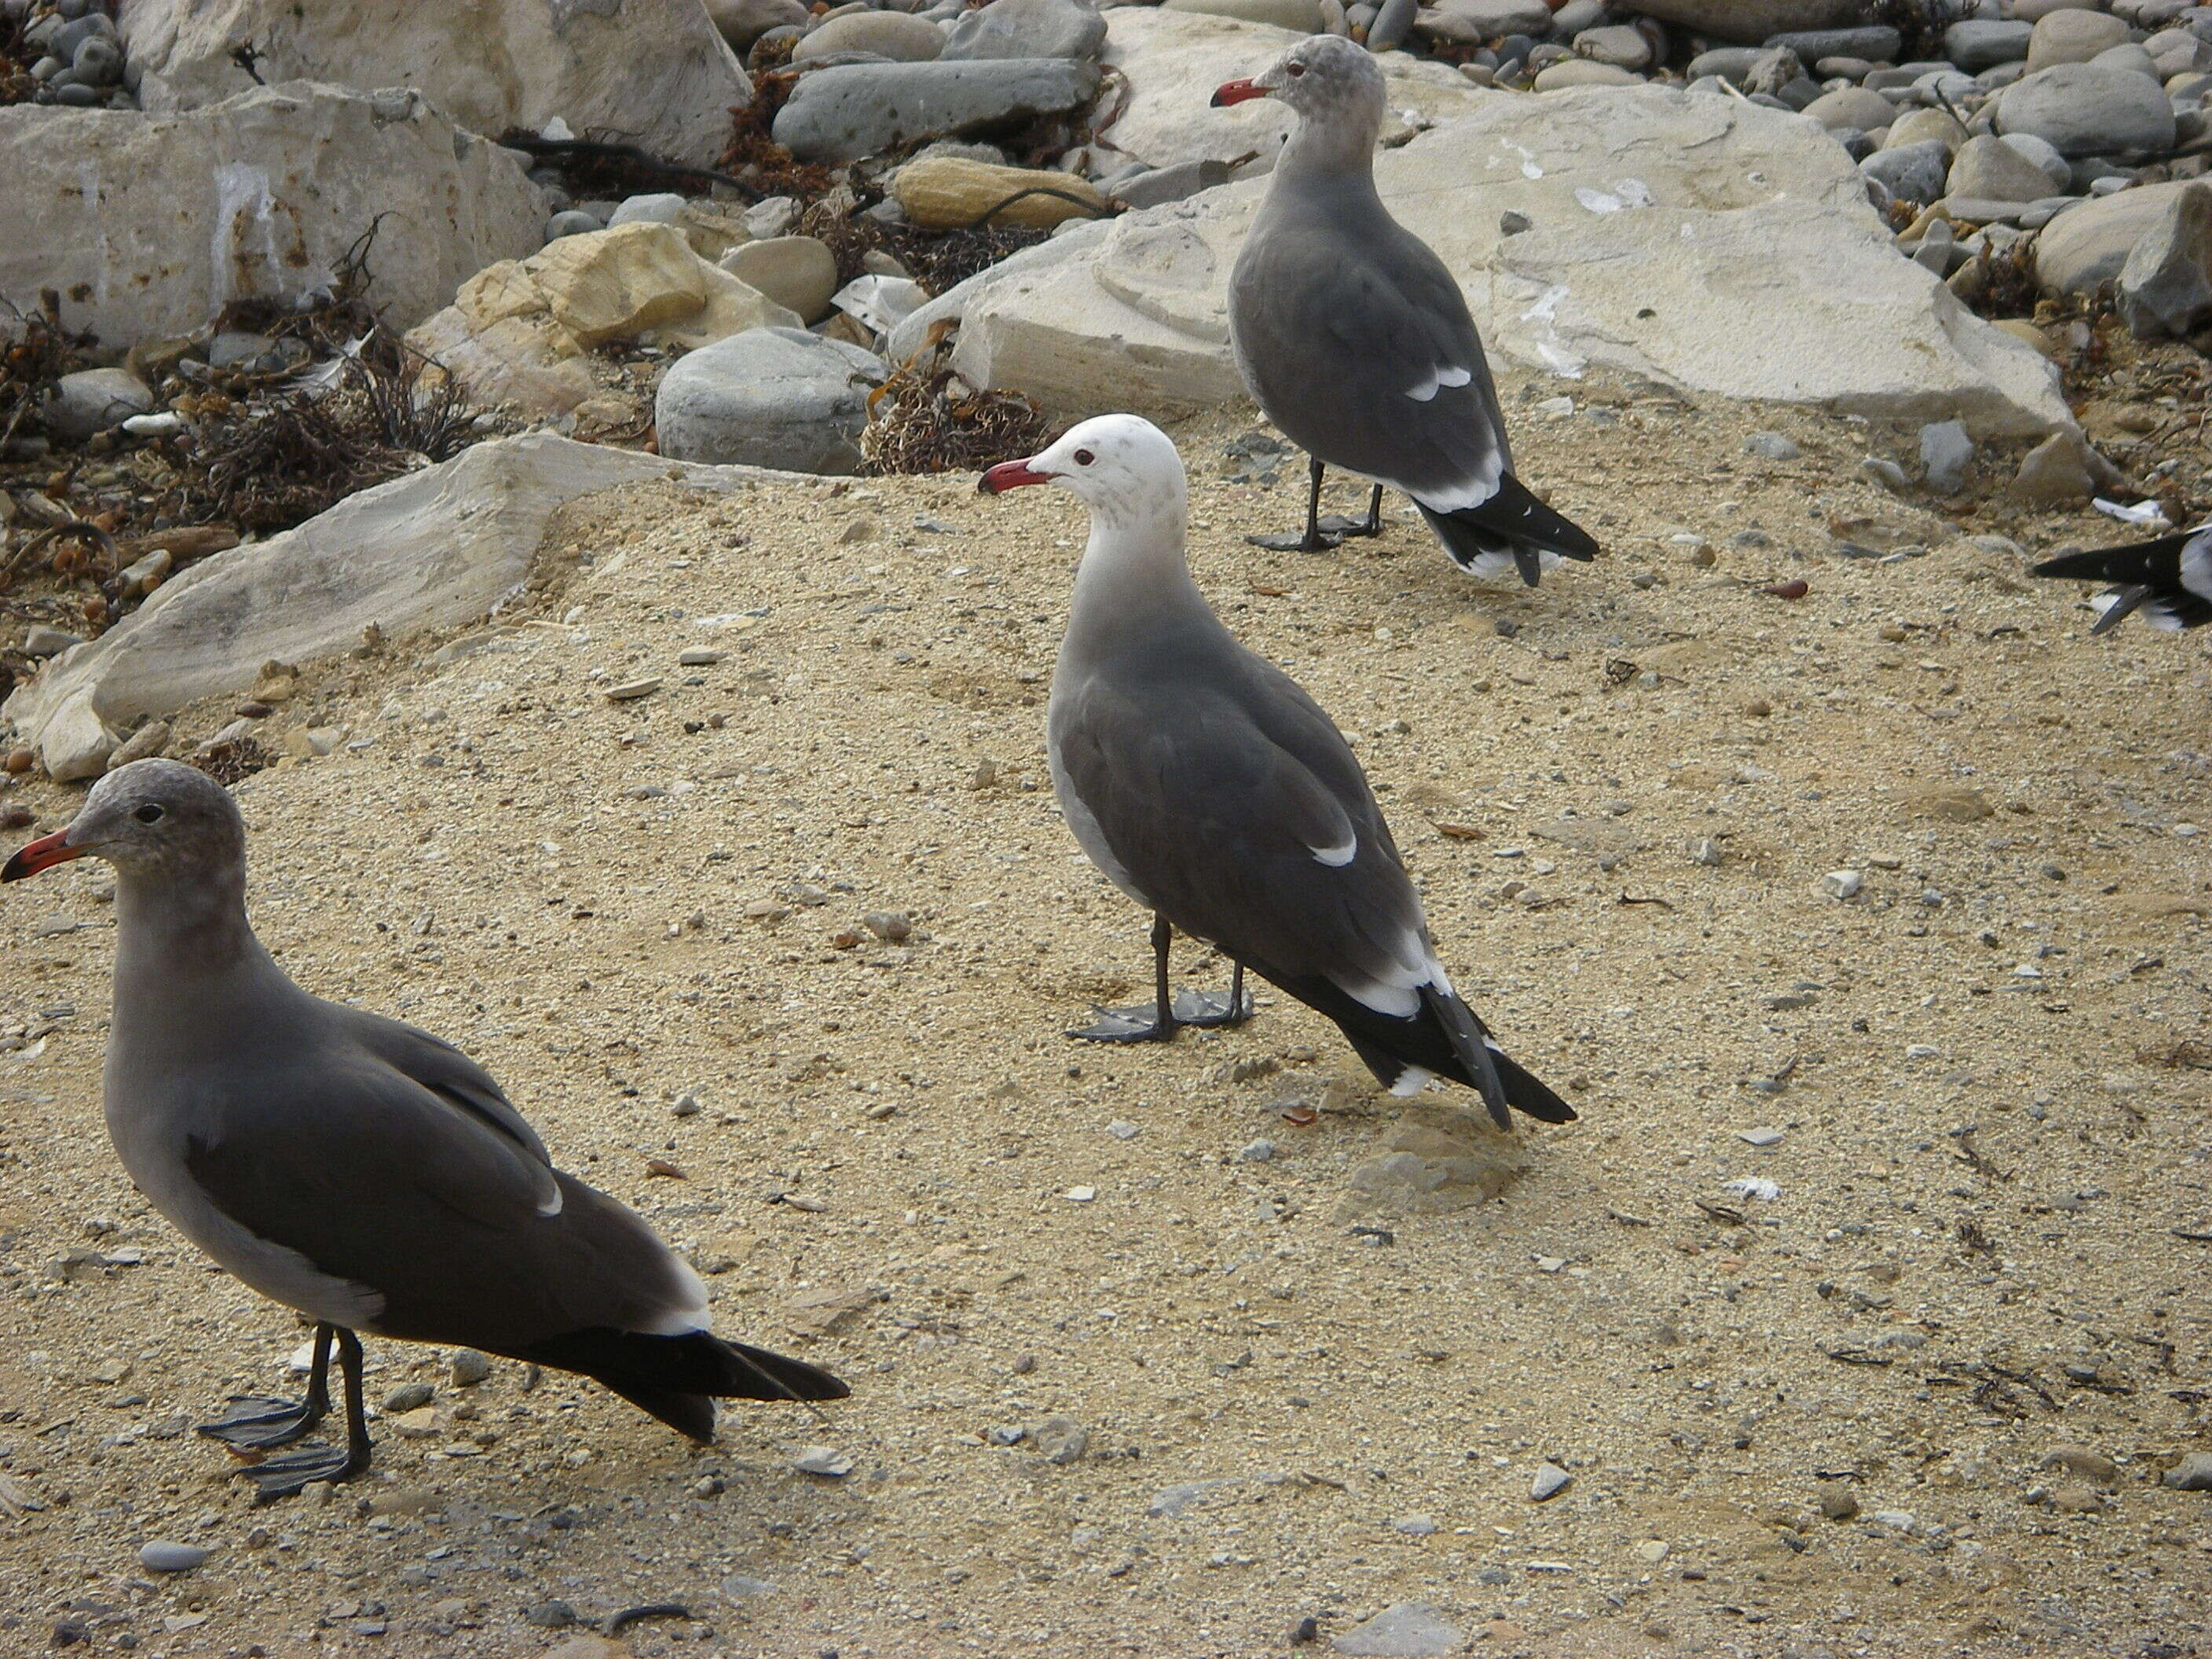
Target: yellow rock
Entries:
(498, 292)
(945, 193)
(613, 284)
(2022, 330)
(731, 307)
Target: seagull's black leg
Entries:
(1146, 1022)
(1371, 525)
(256, 1424)
(282, 1477)
(1314, 541)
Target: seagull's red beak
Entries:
(1009, 474)
(41, 854)
(1237, 92)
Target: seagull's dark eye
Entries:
(1296, 70)
(149, 813)
(1084, 458)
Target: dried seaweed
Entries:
(276, 462)
(753, 155)
(35, 351)
(933, 421)
(233, 759)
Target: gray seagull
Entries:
(1216, 793)
(365, 1173)
(1356, 341)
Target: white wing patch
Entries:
(691, 1312)
(1396, 990)
(1425, 389)
(1338, 856)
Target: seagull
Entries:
(1356, 341)
(2169, 580)
(1215, 793)
(362, 1171)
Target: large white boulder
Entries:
(654, 73)
(147, 225)
(1704, 243)
(1174, 60)
(436, 548)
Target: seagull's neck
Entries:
(1338, 155)
(175, 938)
(1133, 570)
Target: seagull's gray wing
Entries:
(443, 1069)
(460, 1226)
(1239, 813)
(1356, 340)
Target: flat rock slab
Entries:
(651, 73)
(851, 110)
(1408, 1629)
(149, 225)
(436, 548)
(1703, 243)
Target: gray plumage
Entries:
(1214, 791)
(1355, 339)
(364, 1172)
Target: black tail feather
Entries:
(1512, 521)
(2146, 575)
(676, 1379)
(1390, 1046)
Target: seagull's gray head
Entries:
(1118, 464)
(153, 818)
(1327, 80)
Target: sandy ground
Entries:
(1990, 1113)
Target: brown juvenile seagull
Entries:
(1355, 339)
(1215, 791)
(367, 1174)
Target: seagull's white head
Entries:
(1327, 80)
(150, 816)
(1122, 465)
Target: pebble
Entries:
(1551, 1480)
(1122, 1129)
(550, 1615)
(408, 1397)
(1415, 1526)
(160, 1555)
(699, 656)
(1771, 445)
(1837, 1501)
(1762, 1136)
(2192, 1473)
(1257, 1152)
(467, 1367)
(1062, 1439)
(1842, 884)
(824, 1461)
(631, 690)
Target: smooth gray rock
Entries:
(1946, 453)
(2089, 244)
(851, 110)
(2192, 1473)
(889, 35)
(2088, 109)
(1729, 63)
(161, 1555)
(1757, 19)
(1990, 169)
(1170, 184)
(2073, 35)
(658, 207)
(1878, 44)
(92, 400)
(769, 397)
(1486, 19)
(2166, 286)
(1912, 172)
(1622, 45)
(1851, 109)
(1408, 1629)
(743, 21)
(1028, 28)
(570, 221)
(1392, 24)
(1982, 43)
(2045, 155)
(2130, 57)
